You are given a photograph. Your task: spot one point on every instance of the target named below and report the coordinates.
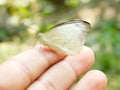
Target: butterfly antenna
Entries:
(26, 25)
(35, 30)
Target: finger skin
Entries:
(63, 74)
(93, 80)
(18, 72)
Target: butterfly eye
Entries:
(67, 37)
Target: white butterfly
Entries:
(67, 37)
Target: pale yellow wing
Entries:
(67, 38)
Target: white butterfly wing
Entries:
(68, 38)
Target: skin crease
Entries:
(44, 69)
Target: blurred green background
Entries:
(22, 20)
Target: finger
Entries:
(93, 80)
(21, 70)
(62, 75)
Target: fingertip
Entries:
(93, 80)
(89, 52)
(81, 62)
(98, 76)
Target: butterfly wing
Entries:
(67, 38)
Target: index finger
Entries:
(18, 72)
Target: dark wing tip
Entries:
(72, 21)
(85, 22)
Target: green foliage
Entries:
(109, 46)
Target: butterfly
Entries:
(67, 37)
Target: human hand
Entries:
(43, 69)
